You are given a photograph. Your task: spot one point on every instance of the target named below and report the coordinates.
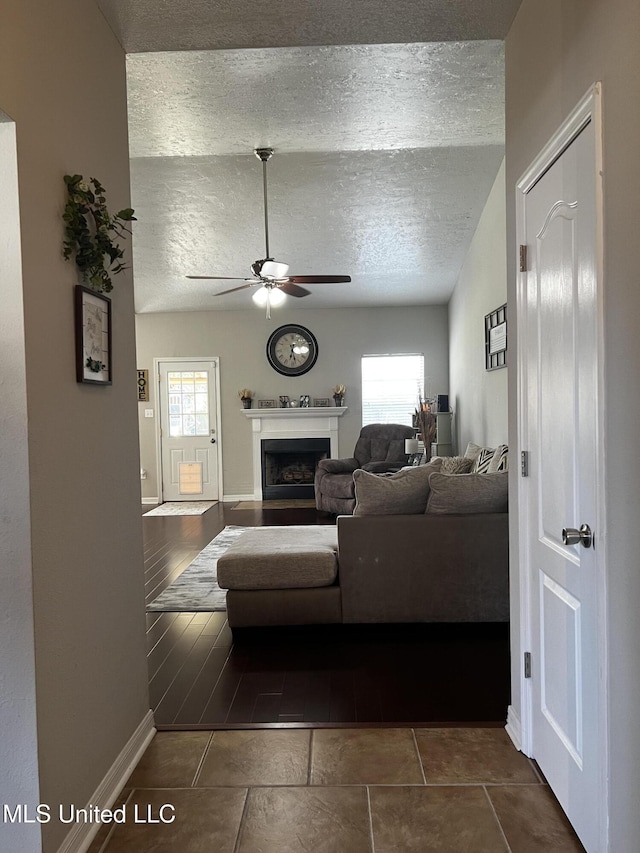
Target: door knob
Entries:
(584, 536)
(213, 441)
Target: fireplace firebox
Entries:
(289, 466)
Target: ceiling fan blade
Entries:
(219, 277)
(293, 289)
(233, 289)
(319, 279)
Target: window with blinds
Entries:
(390, 387)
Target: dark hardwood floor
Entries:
(200, 676)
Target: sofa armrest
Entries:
(422, 568)
(338, 466)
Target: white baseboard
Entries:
(149, 501)
(80, 838)
(514, 728)
(229, 498)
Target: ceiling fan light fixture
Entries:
(269, 296)
(260, 296)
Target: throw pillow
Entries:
(500, 460)
(455, 465)
(472, 451)
(402, 493)
(468, 493)
(483, 460)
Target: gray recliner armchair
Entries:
(380, 448)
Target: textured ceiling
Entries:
(384, 158)
(354, 98)
(149, 25)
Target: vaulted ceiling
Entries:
(385, 151)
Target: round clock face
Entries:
(292, 350)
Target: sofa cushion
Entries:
(402, 493)
(280, 558)
(455, 465)
(468, 493)
(499, 460)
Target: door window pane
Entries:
(188, 394)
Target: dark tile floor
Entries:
(340, 791)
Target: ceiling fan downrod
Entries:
(265, 155)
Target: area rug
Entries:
(284, 504)
(182, 508)
(197, 587)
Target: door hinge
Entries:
(523, 259)
(527, 664)
(524, 463)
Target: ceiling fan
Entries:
(271, 274)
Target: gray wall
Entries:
(555, 50)
(62, 80)
(478, 396)
(239, 338)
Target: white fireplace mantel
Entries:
(291, 423)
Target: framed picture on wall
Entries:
(495, 338)
(93, 336)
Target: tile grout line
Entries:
(536, 771)
(107, 839)
(347, 785)
(417, 748)
(495, 814)
(236, 846)
(202, 760)
(310, 759)
(371, 838)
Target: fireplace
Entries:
(289, 465)
(289, 425)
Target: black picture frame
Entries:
(93, 336)
(495, 338)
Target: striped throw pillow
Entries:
(483, 460)
(500, 460)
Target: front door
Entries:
(561, 409)
(189, 430)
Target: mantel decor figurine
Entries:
(338, 394)
(246, 396)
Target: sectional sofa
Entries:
(443, 557)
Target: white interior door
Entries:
(561, 491)
(189, 430)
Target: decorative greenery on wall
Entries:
(91, 232)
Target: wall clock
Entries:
(292, 350)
